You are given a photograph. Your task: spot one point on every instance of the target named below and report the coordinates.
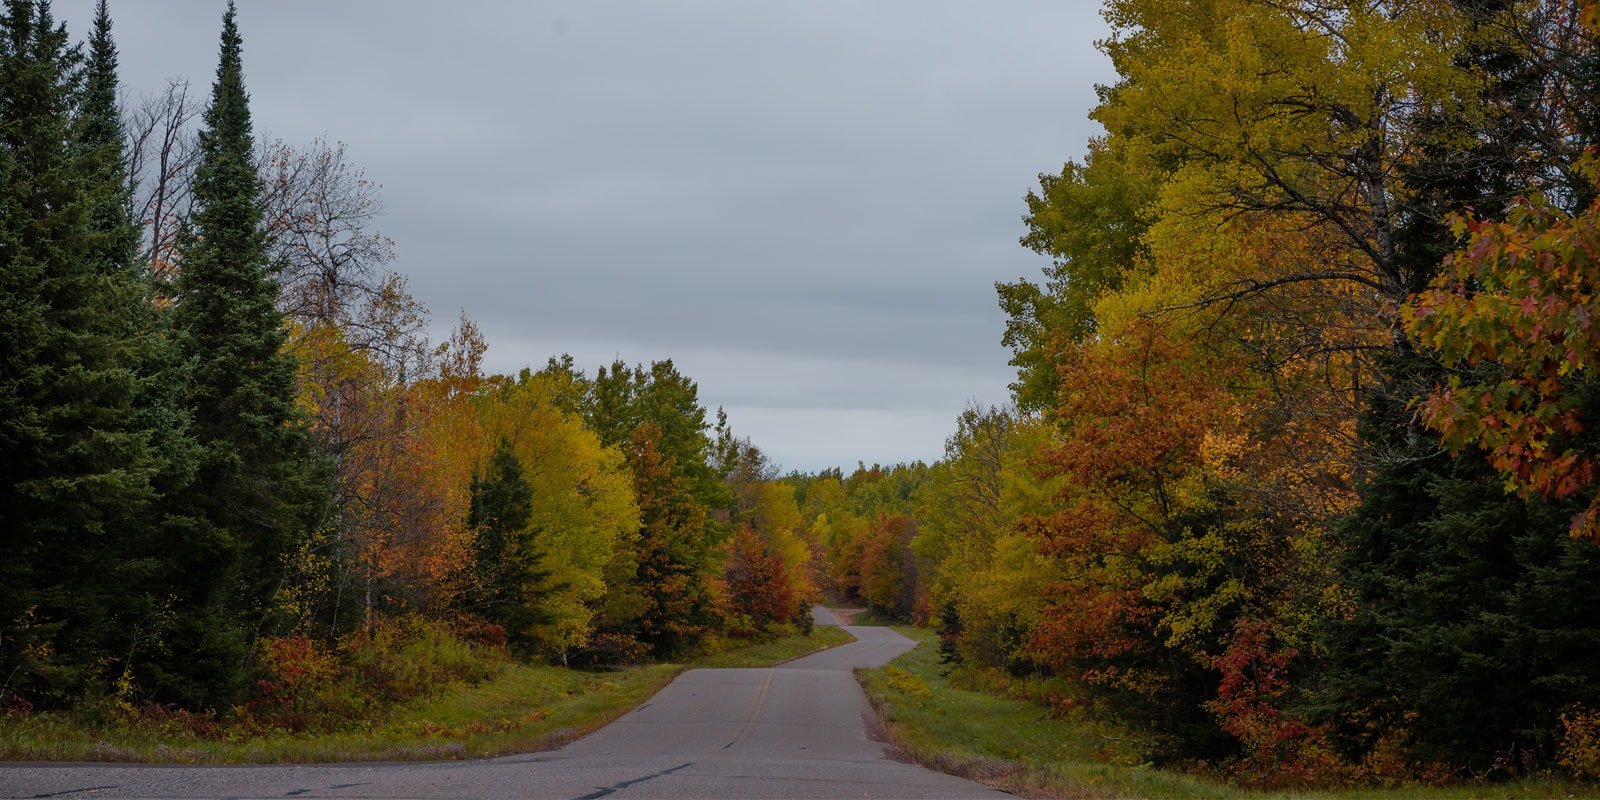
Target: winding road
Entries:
(795, 731)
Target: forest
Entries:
(1298, 485)
(238, 480)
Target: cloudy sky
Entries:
(805, 205)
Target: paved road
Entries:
(795, 731)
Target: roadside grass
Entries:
(1012, 745)
(526, 707)
(865, 616)
(777, 651)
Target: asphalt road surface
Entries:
(798, 731)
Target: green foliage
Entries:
(512, 587)
(86, 443)
(1471, 631)
(257, 491)
(621, 398)
(1089, 220)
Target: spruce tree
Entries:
(102, 146)
(512, 583)
(1473, 629)
(257, 491)
(76, 461)
(144, 558)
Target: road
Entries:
(795, 731)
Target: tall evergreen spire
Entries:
(258, 491)
(100, 137)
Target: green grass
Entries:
(777, 651)
(875, 619)
(525, 708)
(1013, 745)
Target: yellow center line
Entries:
(761, 699)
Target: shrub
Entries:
(306, 685)
(1580, 743)
(408, 657)
(609, 650)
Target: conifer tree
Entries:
(672, 552)
(257, 491)
(512, 584)
(102, 145)
(1473, 629)
(76, 459)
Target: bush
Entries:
(1580, 743)
(609, 650)
(307, 685)
(412, 656)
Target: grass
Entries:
(872, 617)
(526, 707)
(1012, 745)
(777, 651)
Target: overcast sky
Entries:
(804, 205)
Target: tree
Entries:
(512, 584)
(79, 456)
(987, 578)
(673, 554)
(258, 491)
(622, 398)
(1472, 625)
(162, 155)
(760, 593)
(1512, 312)
(1089, 219)
(583, 504)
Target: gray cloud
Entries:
(805, 205)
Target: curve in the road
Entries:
(797, 730)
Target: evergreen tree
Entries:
(102, 145)
(1474, 626)
(512, 584)
(258, 490)
(76, 457)
(621, 398)
(145, 557)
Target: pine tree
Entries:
(76, 460)
(1473, 628)
(257, 491)
(512, 583)
(101, 143)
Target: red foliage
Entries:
(1279, 750)
(1522, 295)
(760, 593)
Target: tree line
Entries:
(234, 465)
(1299, 480)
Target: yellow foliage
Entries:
(583, 500)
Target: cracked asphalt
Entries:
(795, 731)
